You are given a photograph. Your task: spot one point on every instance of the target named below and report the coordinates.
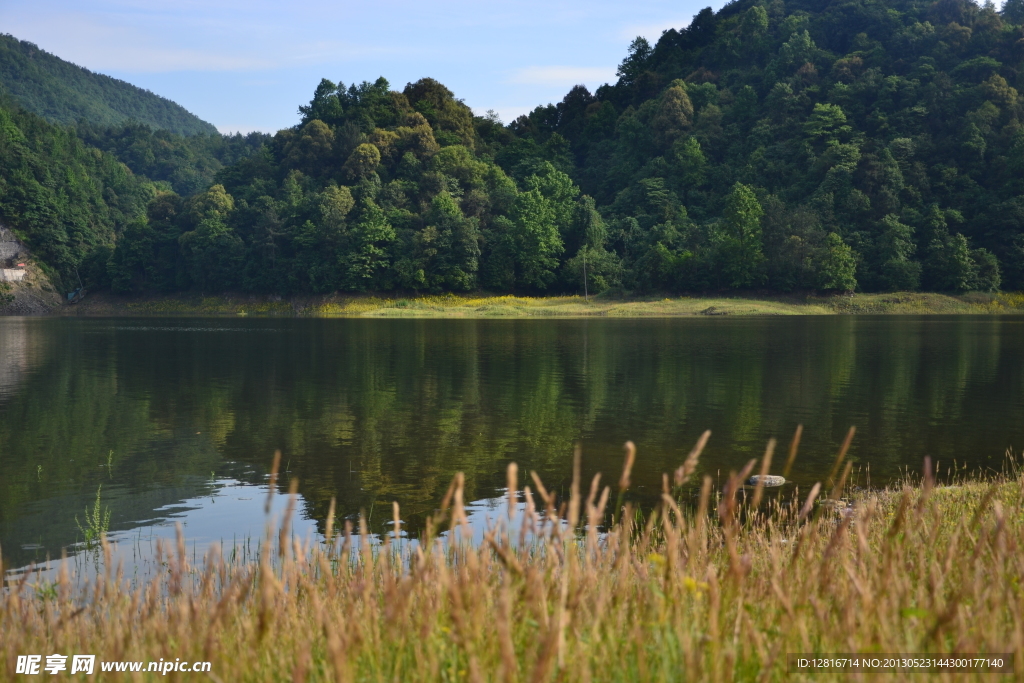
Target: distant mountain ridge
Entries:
(65, 93)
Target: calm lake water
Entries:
(177, 419)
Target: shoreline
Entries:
(509, 306)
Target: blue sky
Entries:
(247, 65)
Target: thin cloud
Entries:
(128, 49)
(139, 59)
(562, 75)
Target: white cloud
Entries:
(565, 76)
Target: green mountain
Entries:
(185, 163)
(774, 145)
(71, 192)
(64, 93)
(768, 143)
(67, 201)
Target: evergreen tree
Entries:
(211, 251)
(987, 277)
(742, 255)
(1013, 11)
(448, 247)
(950, 266)
(836, 266)
(366, 254)
(898, 271)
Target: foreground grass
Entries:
(451, 306)
(716, 589)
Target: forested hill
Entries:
(773, 145)
(894, 126)
(68, 201)
(64, 93)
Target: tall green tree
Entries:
(448, 248)
(366, 254)
(836, 266)
(896, 248)
(531, 240)
(1013, 11)
(592, 269)
(212, 251)
(742, 256)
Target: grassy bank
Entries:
(451, 306)
(718, 587)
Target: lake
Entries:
(177, 419)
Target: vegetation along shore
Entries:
(713, 585)
(508, 306)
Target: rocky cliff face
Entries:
(10, 247)
(30, 291)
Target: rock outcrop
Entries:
(766, 480)
(24, 287)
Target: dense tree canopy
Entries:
(66, 200)
(774, 145)
(184, 164)
(374, 190)
(883, 135)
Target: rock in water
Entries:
(766, 480)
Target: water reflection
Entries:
(201, 516)
(21, 347)
(370, 411)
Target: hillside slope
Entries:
(62, 92)
(893, 128)
(834, 146)
(65, 201)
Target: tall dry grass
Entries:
(711, 588)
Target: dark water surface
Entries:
(188, 412)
